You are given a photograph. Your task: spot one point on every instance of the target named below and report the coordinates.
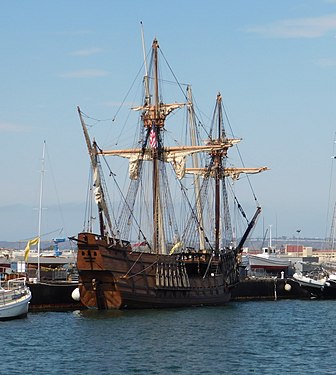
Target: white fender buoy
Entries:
(75, 294)
(288, 287)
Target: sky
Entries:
(274, 63)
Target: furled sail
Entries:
(174, 155)
(234, 173)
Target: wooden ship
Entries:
(167, 240)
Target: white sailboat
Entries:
(53, 288)
(14, 299)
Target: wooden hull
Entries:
(115, 277)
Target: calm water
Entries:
(276, 337)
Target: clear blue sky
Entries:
(273, 61)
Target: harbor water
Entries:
(273, 337)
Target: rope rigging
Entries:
(122, 195)
(128, 214)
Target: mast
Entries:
(153, 116)
(218, 165)
(155, 150)
(332, 230)
(218, 172)
(99, 193)
(147, 97)
(196, 165)
(40, 213)
(331, 240)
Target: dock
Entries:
(267, 288)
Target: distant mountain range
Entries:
(253, 243)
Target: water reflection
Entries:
(98, 314)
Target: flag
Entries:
(175, 247)
(34, 241)
(138, 244)
(152, 138)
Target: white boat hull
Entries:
(14, 299)
(309, 282)
(15, 309)
(323, 288)
(260, 261)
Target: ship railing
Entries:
(14, 284)
(112, 241)
(12, 289)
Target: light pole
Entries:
(297, 241)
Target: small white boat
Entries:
(313, 282)
(14, 299)
(268, 260)
(319, 283)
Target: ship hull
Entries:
(115, 277)
(53, 296)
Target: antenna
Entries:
(330, 241)
(40, 212)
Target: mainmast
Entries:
(153, 116)
(218, 167)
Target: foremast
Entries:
(97, 183)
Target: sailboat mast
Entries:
(40, 213)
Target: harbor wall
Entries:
(267, 288)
